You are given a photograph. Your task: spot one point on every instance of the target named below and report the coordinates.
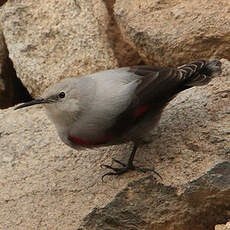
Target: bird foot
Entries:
(125, 168)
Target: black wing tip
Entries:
(213, 67)
(200, 72)
(208, 67)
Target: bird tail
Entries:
(199, 72)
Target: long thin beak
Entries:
(33, 102)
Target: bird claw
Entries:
(119, 162)
(117, 171)
(144, 170)
(124, 169)
(110, 167)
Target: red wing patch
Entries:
(140, 111)
(81, 142)
(78, 141)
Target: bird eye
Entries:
(61, 95)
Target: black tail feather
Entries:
(199, 72)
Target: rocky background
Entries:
(45, 184)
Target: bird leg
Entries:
(127, 167)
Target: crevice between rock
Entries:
(2, 2)
(126, 55)
(12, 91)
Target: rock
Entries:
(46, 185)
(223, 226)
(12, 90)
(51, 40)
(126, 55)
(171, 33)
(145, 204)
(2, 2)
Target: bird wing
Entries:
(109, 94)
(121, 98)
(157, 86)
(124, 96)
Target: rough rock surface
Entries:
(223, 226)
(145, 204)
(125, 54)
(173, 32)
(46, 185)
(51, 40)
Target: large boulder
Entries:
(175, 32)
(51, 40)
(145, 204)
(46, 185)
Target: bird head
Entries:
(60, 101)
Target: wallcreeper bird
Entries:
(119, 105)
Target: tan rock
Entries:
(51, 40)
(175, 32)
(46, 185)
(126, 55)
(223, 226)
(146, 205)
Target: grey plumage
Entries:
(120, 105)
